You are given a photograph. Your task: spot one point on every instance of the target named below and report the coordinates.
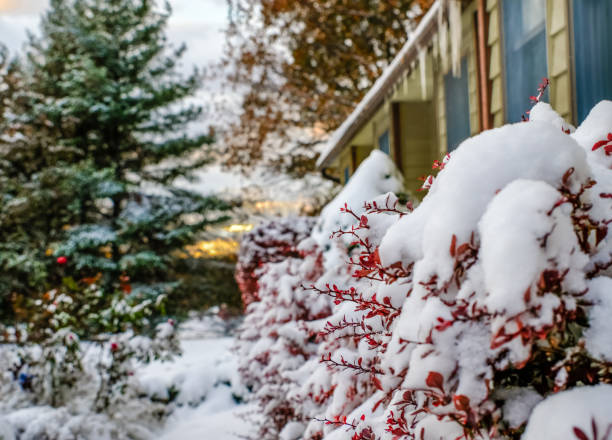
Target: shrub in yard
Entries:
(483, 313)
(485, 300)
(73, 362)
(269, 242)
(277, 343)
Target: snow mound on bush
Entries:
(480, 168)
(206, 364)
(579, 413)
(376, 175)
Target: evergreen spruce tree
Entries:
(103, 91)
(33, 198)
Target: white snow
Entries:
(598, 336)
(582, 408)
(375, 176)
(217, 418)
(204, 381)
(542, 111)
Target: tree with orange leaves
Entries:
(305, 65)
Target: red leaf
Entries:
(601, 234)
(599, 144)
(463, 248)
(567, 174)
(610, 136)
(375, 257)
(462, 403)
(362, 273)
(579, 433)
(377, 383)
(435, 380)
(453, 246)
(364, 220)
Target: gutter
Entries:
(376, 95)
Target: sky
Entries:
(198, 23)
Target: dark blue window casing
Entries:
(593, 53)
(457, 104)
(524, 26)
(383, 142)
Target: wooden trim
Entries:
(480, 94)
(569, 11)
(483, 52)
(354, 163)
(397, 135)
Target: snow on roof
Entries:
(376, 94)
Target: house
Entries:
(471, 65)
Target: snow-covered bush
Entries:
(273, 339)
(489, 299)
(68, 372)
(277, 343)
(271, 241)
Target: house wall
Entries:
(468, 50)
(559, 58)
(418, 135)
(494, 43)
(422, 112)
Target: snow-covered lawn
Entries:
(206, 381)
(199, 391)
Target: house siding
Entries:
(495, 63)
(422, 117)
(467, 50)
(559, 57)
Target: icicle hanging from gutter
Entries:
(454, 21)
(423, 71)
(443, 37)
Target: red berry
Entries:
(114, 346)
(62, 260)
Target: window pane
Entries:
(347, 174)
(383, 142)
(457, 108)
(593, 53)
(524, 53)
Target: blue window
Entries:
(347, 174)
(383, 142)
(524, 23)
(457, 108)
(593, 53)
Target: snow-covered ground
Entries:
(199, 391)
(206, 380)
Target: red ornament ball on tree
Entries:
(62, 260)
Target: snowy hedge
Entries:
(483, 313)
